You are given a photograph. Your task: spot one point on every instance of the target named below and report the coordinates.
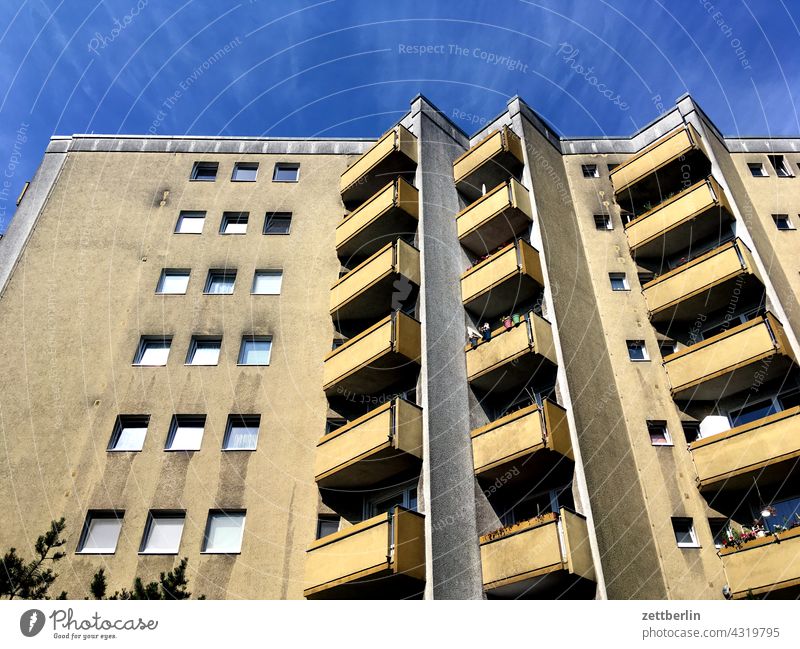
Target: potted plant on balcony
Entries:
(508, 322)
(516, 319)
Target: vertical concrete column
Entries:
(453, 553)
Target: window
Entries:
(173, 281)
(752, 412)
(782, 222)
(205, 171)
(162, 533)
(719, 530)
(190, 223)
(153, 351)
(404, 497)
(781, 167)
(224, 531)
(659, 435)
(204, 350)
(619, 282)
(667, 347)
(100, 532)
(267, 282)
(286, 172)
(186, 433)
(536, 503)
(234, 223)
(590, 171)
(327, 524)
(757, 170)
(685, 535)
(637, 351)
(241, 433)
(220, 282)
(255, 350)
(277, 223)
(645, 277)
(691, 431)
(602, 222)
(245, 172)
(612, 166)
(626, 217)
(129, 433)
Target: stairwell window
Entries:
(757, 170)
(619, 282)
(782, 222)
(590, 171)
(603, 222)
(781, 166)
(205, 171)
(685, 535)
(637, 350)
(659, 435)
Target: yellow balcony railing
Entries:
(520, 436)
(515, 558)
(741, 358)
(510, 277)
(377, 358)
(512, 356)
(491, 161)
(393, 154)
(764, 567)
(766, 448)
(383, 557)
(674, 225)
(704, 284)
(370, 290)
(667, 149)
(495, 218)
(392, 212)
(375, 447)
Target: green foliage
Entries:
(31, 580)
(170, 585)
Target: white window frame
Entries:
(789, 225)
(226, 513)
(607, 223)
(125, 422)
(142, 349)
(782, 167)
(245, 421)
(193, 422)
(188, 216)
(255, 339)
(199, 342)
(240, 166)
(183, 273)
(590, 171)
(231, 223)
(645, 354)
(760, 166)
(619, 276)
(92, 516)
(221, 273)
(294, 165)
(266, 272)
(667, 437)
(153, 517)
(694, 543)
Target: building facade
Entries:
(511, 365)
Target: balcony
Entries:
(376, 359)
(501, 215)
(705, 284)
(385, 442)
(512, 357)
(769, 566)
(392, 212)
(393, 155)
(380, 558)
(534, 439)
(507, 279)
(699, 212)
(766, 449)
(741, 358)
(490, 162)
(543, 557)
(379, 285)
(672, 163)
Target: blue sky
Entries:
(350, 67)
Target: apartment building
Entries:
(508, 365)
